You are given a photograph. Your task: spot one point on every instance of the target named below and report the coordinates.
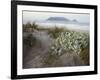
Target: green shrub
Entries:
(30, 40)
(70, 41)
(30, 27)
(34, 26)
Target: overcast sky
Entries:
(30, 16)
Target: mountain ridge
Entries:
(57, 19)
(60, 19)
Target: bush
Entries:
(30, 40)
(70, 41)
(30, 27)
(34, 26)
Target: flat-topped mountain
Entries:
(57, 19)
(74, 20)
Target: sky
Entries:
(31, 16)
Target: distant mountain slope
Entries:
(57, 19)
(74, 20)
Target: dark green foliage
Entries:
(30, 27)
(30, 40)
(27, 27)
(34, 26)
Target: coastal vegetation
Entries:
(62, 42)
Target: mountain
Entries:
(74, 20)
(57, 19)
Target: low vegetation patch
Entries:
(30, 40)
(72, 42)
